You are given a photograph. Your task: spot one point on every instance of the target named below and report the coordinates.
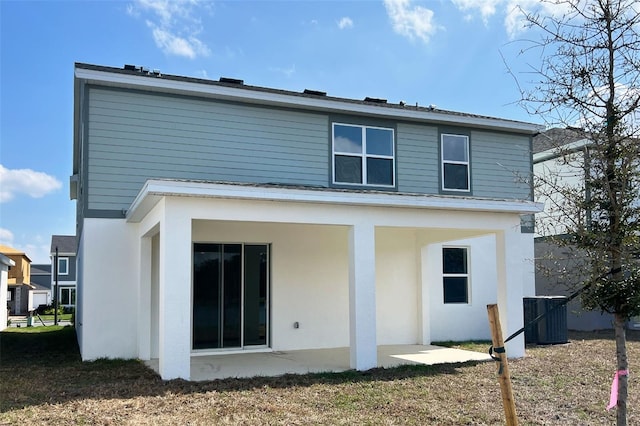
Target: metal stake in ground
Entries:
(503, 368)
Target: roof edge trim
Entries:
(293, 99)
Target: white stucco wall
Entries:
(396, 286)
(463, 321)
(528, 265)
(4, 288)
(309, 279)
(125, 268)
(107, 326)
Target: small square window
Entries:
(456, 176)
(347, 139)
(379, 171)
(348, 169)
(455, 290)
(455, 274)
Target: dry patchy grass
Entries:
(43, 381)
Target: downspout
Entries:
(55, 300)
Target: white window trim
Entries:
(66, 260)
(467, 275)
(363, 155)
(466, 163)
(70, 289)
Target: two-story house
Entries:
(561, 157)
(40, 293)
(6, 263)
(18, 280)
(217, 217)
(65, 248)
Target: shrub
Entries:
(49, 310)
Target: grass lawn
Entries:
(61, 317)
(43, 381)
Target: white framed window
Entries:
(455, 274)
(67, 296)
(454, 151)
(363, 155)
(63, 266)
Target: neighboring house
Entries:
(213, 216)
(559, 156)
(40, 294)
(66, 246)
(5, 264)
(18, 281)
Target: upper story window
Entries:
(63, 266)
(363, 155)
(455, 163)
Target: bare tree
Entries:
(588, 81)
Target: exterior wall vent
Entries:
(231, 80)
(74, 182)
(375, 100)
(314, 92)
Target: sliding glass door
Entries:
(230, 295)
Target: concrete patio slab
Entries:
(277, 363)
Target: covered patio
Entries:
(356, 271)
(277, 363)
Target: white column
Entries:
(175, 294)
(362, 297)
(529, 265)
(144, 300)
(510, 258)
(424, 297)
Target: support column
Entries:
(362, 297)
(144, 300)
(510, 258)
(424, 296)
(175, 294)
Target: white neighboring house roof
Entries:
(6, 260)
(559, 151)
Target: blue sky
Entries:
(443, 52)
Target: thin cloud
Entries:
(345, 22)
(35, 246)
(202, 73)
(411, 21)
(6, 237)
(174, 25)
(515, 22)
(513, 11)
(288, 72)
(25, 181)
(487, 8)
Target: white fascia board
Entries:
(5, 260)
(285, 100)
(559, 151)
(154, 190)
